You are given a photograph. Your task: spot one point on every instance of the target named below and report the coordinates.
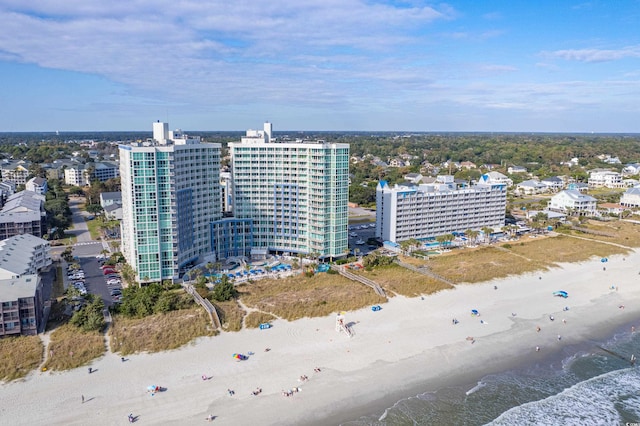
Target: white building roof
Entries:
(16, 253)
(16, 288)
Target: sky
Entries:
(352, 65)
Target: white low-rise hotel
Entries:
(429, 210)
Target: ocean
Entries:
(588, 384)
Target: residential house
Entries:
(467, 165)
(413, 177)
(37, 185)
(553, 183)
(573, 202)
(516, 169)
(631, 169)
(611, 208)
(110, 198)
(599, 178)
(530, 187)
(496, 177)
(631, 197)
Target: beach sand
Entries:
(395, 352)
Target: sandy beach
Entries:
(399, 349)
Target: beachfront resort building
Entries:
(295, 192)
(21, 305)
(572, 201)
(170, 195)
(430, 210)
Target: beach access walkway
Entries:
(374, 285)
(424, 271)
(208, 306)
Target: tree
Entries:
(225, 290)
(90, 317)
(487, 233)
(94, 208)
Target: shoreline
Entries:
(407, 348)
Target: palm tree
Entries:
(472, 235)
(487, 232)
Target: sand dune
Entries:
(409, 343)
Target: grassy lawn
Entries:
(299, 296)
(396, 279)
(481, 264)
(71, 348)
(159, 332)
(20, 355)
(94, 228)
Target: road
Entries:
(85, 250)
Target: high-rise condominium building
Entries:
(430, 210)
(296, 193)
(170, 194)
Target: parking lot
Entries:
(358, 236)
(94, 280)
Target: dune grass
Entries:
(20, 355)
(71, 347)
(396, 279)
(230, 314)
(300, 296)
(159, 332)
(254, 319)
(481, 264)
(553, 250)
(621, 232)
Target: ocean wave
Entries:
(608, 399)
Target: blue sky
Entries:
(403, 65)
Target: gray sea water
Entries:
(589, 384)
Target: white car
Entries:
(353, 234)
(360, 242)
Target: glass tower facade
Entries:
(295, 192)
(170, 194)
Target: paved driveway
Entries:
(80, 229)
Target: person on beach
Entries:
(538, 329)
(90, 370)
(559, 337)
(83, 399)
(537, 348)
(551, 317)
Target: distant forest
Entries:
(542, 154)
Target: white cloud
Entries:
(595, 55)
(216, 51)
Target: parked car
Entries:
(360, 242)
